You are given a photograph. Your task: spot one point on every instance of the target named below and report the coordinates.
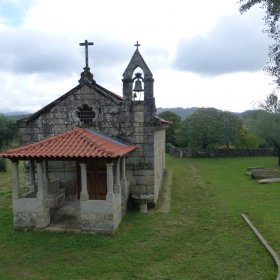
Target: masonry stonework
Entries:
(136, 177)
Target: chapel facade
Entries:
(89, 152)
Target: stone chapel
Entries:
(90, 152)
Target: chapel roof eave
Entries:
(162, 122)
(78, 143)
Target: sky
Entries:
(201, 53)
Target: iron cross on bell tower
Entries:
(86, 44)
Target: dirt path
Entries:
(164, 205)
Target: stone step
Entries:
(269, 180)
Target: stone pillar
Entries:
(181, 153)
(46, 174)
(143, 208)
(124, 191)
(15, 180)
(41, 193)
(110, 182)
(123, 172)
(32, 176)
(84, 192)
(123, 177)
(117, 177)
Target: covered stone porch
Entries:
(40, 206)
(44, 202)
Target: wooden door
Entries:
(96, 179)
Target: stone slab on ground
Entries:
(269, 180)
(264, 173)
(254, 167)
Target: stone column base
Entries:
(143, 200)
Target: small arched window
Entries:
(86, 114)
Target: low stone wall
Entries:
(180, 152)
(30, 213)
(101, 215)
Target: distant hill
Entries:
(185, 112)
(17, 115)
(182, 112)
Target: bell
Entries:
(138, 86)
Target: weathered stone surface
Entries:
(124, 118)
(264, 173)
(269, 181)
(250, 169)
(24, 220)
(143, 200)
(101, 215)
(254, 167)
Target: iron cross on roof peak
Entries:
(86, 44)
(137, 45)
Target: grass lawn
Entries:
(202, 237)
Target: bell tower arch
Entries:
(147, 79)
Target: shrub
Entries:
(3, 164)
(169, 147)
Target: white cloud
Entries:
(40, 56)
(235, 92)
(235, 44)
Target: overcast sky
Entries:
(201, 53)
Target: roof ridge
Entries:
(87, 136)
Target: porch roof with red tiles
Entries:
(76, 143)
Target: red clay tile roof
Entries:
(77, 143)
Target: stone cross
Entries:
(86, 44)
(137, 45)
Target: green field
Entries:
(202, 237)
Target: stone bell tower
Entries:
(141, 121)
(129, 93)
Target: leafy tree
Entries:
(247, 139)
(210, 128)
(268, 122)
(272, 9)
(170, 131)
(230, 127)
(250, 120)
(8, 131)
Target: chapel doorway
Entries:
(96, 179)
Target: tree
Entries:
(170, 131)
(230, 128)
(272, 9)
(268, 122)
(8, 131)
(210, 128)
(247, 139)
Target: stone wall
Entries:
(30, 213)
(62, 117)
(101, 215)
(65, 173)
(129, 120)
(180, 152)
(140, 163)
